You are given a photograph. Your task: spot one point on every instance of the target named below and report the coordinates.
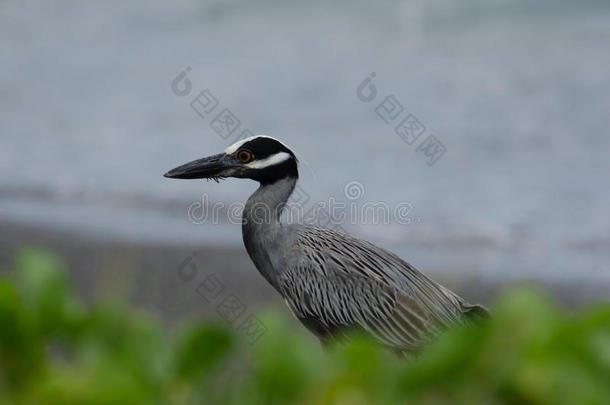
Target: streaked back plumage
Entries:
(334, 282)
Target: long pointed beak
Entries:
(208, 167)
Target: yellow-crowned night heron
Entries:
(331, 281)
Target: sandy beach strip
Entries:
(181, 281)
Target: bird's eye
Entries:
(244, 156)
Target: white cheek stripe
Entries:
(270, 161)
(233, 148)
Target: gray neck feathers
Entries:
(264, 236)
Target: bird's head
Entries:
(261, 158)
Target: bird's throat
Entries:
(262, 230)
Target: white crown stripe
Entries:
(269, 161)
(233, 148)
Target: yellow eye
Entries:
(244, 156)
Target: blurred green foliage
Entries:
(54, 349)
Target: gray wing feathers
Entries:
(333, 281)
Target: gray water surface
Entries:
(518, 93)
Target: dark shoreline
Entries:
(160, 277)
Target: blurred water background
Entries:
(518, 92)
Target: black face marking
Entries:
(262, 159)
(274, 173)
(261, 148)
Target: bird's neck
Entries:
(264, 207)
(261, 228)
